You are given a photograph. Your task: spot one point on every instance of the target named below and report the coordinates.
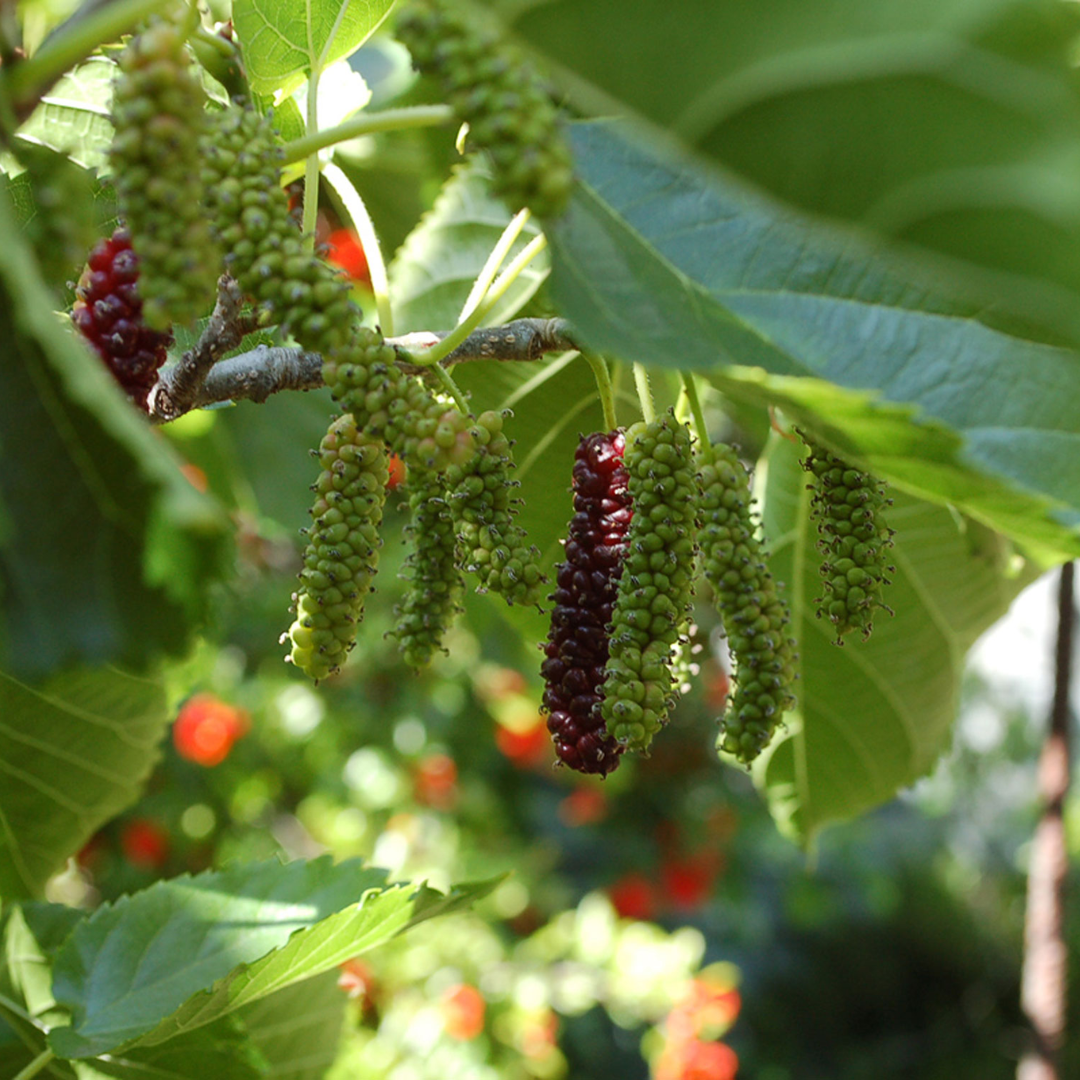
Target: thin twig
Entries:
(200, 378)
(1044, 979)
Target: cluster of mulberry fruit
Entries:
(491, 545)
(343, 553)
(576, 652)
(754, 616)
(491, 88)
(849, 507)
(108, 312)
(656, 583)
(158, 116)
(434, 581)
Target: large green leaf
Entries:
(953, 126)
(874, 716)
(298, 1029)
(665, 263)
(184, 953)
(284, 41)
(433, 271)
(74, 751)
(105, 548)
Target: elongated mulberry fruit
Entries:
(585, 586)
(494, 90)
(109, 313)
(656, 584)
(849, 507)
(342, 554)
(490, 543)
(754, 615)
(158, 119)
(435, 582)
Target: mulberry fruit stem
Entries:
(644, 392)
(495, 260)
(704, 446)
(367, 123)
(652, 604)
(849, 506)
(342, 554)
(599, 368)
(754, 616)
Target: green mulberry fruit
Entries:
(490, 543)
(491, 88)
(656, 585)
(342, 554)
(849, 507)
(755, 617)
(435, 582)
(311, 300)
(158, 118)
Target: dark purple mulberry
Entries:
(109, 314)
(586, 584)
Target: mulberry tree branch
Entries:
(201, 378)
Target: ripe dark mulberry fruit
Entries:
(656, 584)
(490, 543)
(158, 119)
(342, 554)
(109, 313)
(435, 582)
(754, 615)
(585, 587)
(849, 507)
(491, 88)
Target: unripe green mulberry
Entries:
(656, 583)
(342, 554)
(848, 505)
(311, 300)
(755, 617)
(490, 544)
(491, 88)
(435, 582)
(158, 118)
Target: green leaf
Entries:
(74, 117)
(74, 752)
(105, 547)
(664, 263)
(298, 1028)
(874, 716)
(434, 270)
(952, 127)
(283, 41)
(184, 953)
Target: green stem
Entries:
(603, 388)
(36, 1065)
(357, 210)
(644, 392)
(61, 52)
(705, 450)
(452, 388)
(467, 326)
(311, 165)
(367, 124)
(494, 261)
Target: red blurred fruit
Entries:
(145, 843)
(462, 1007)
(634, 897)
(583, 806)
(357, 981)
(344, 250)
(717, 685)
(435, 782)
(397, 473)
(524, 748)
(206, 729)
(695, 1060)
(708, 1010)
(539, 1034)
(687, 881)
